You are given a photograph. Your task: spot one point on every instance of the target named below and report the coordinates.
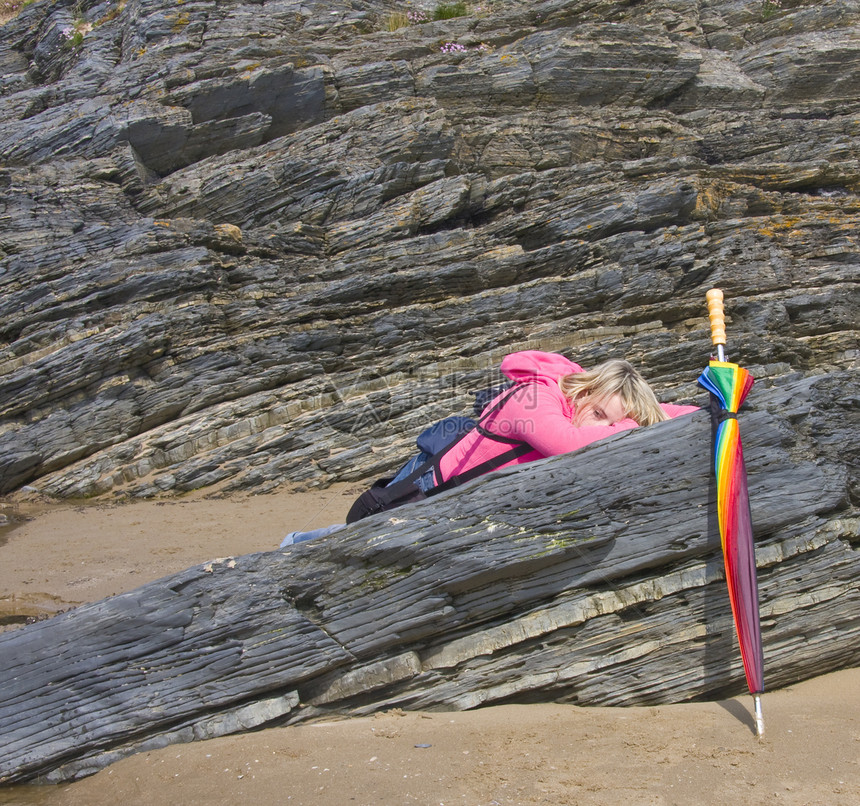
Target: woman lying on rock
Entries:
(553, 407)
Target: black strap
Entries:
(485, 467)
(496, 437)
(382, 496)
(520, 449)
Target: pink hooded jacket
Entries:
(538, 414)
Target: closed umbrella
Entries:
(729, 385)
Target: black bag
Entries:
(383, 495)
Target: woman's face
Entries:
(591, 411)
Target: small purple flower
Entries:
(68, 32)
(453, 47)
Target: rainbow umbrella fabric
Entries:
(729, 385)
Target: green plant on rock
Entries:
(769, 8)
(443, 11)
(447, 11)
(396, 20)
(73, 35)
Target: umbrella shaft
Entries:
(721, 353)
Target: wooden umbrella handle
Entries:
(716, 315)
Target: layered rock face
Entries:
(250, 244)
(594, 578)
(245, 244)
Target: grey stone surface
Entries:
(594, 578)
(249, 244)
(225, 224)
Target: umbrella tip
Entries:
(759, 718)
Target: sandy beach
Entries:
(58, 556)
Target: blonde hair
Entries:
(616, 377)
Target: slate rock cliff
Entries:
(247, 244)
(595, 577)
(250, 243)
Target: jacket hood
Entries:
(534, 365)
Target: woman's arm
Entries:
(676, 410)
(539, 415)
